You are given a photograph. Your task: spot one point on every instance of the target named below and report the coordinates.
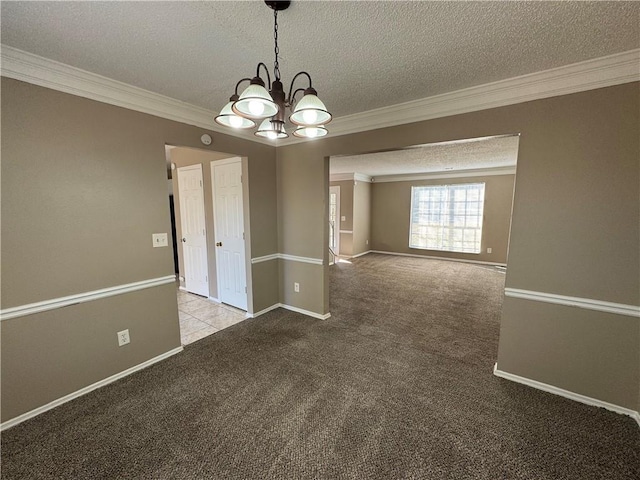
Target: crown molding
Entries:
(601, 72)
(30, 68)
(475, 172)
(340, 177)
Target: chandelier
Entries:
(255, 103)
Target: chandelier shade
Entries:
(255, 103)
(310, 132)
(310, 111)
(271, 129)
(228, 118)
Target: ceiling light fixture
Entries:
(256, 103)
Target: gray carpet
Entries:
(397, 384)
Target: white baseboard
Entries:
(293, 309)
(348, 257)
(306, 312)
(438, 258)
(263, 311)
(87, 389)
(566, 393)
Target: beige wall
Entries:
(84, 185)
(391, 206)
(361, 217)
(575, 227)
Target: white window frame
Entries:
(446, 229)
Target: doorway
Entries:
(203, 312)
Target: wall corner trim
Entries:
(265, 258)
(588, 303)
(284, 256)
(591, 74)
(431, 257)
(566, 393)
(37, 70)
(52, 304)
(475, 172)
(308, 313)
(600, 72)
(89, 388)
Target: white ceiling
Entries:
(361, 55)
(470, 154)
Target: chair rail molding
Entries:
(588, 303)
(37, 307)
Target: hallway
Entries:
(200, 317)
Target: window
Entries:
(447, 217)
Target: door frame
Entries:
(245, 220)
(336, 227)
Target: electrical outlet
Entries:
(123, 337)
(296, 287)
(489, 250)
(343, 218)
(366, 242)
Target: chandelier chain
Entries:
(276, 65)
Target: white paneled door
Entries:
(194, 236)
(229, 231)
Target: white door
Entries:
(194, 236)
(334, 219)
(229, 231)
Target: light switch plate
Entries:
(160, 240)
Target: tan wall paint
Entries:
(311, 281)
(361, 217)
(84, 186)
(51, 354)
(391, 206)
(263, 274)
(579, 349)
(575, 227)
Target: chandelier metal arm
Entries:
(238, 84)
(292, 99)
(289, 98)
(266, 69)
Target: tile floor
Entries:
(200, 317)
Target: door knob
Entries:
(184, 239)
(218, 244)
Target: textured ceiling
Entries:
(361, 55)
(477, 153)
